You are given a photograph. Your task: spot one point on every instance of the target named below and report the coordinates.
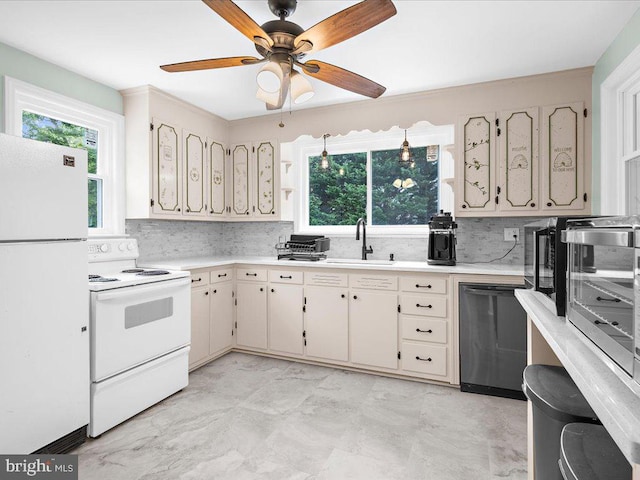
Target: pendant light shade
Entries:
(405, 151)
(324, 161)
(269, 77)
(301, 89)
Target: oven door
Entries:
(133, 325)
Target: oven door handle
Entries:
(156, 287)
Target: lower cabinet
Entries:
(285, 319)
(373, 328)
(251, 315)
(211, 314)
(326, 323)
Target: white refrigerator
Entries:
(44, 302)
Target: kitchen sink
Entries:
(355, 261)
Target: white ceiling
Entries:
(427, 45)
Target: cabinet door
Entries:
(199, 325)
(217, 179)
(167, 180)
(326, 323)
(475, 175)
(251, 315)
(563, 157)
(240, 166)
(285, 318)
(194, 174)
(373, 328)
(221, 334)
(518, 155)
(265, 184)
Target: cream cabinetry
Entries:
(528, 161)
(211, 314)
(286, 312)
(255, 180)
(326, 322)
(426, 326)
(251, 308)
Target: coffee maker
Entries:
(442, 240)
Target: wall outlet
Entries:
(510, 233)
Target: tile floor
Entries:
(249, 417)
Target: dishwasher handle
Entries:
(492, 290)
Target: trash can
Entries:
(587, 452)
(556, 401)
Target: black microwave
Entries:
(545, 259)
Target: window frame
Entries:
(367, 141)
(20, 96)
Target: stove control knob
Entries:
(130, 246)
(122, 247)
(104, 248)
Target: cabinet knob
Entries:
(206, 293)
(261, 289)
(83, 329)
(272, 290)
(210, 211)
(548, 204)
(179, 210)
(188, 210)
(533, 205)
(215, 291)
(342, 296)
(464, 206)
(355, 297)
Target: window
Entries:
(39, 114)
(365, 179)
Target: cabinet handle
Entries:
(355, 297)
(251, 274)
(206, 293)
(423, 359)
(222, 275)
(424, 331)
(289, 277)
(423, 306)
(194, 280)
(422, 286)
(600, 299)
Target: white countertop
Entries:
(612, 394)
(192, 263)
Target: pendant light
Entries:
(405, 151)
(324, 161)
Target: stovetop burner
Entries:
(133, 270)
(98, 278)
(149, 273)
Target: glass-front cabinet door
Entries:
(167, 185)
(519, 159)
(563, 157)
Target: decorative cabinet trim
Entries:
(265, 179)
(217, 178)
(194, 174)
(240, 182)
(166, 165)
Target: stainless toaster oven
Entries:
(603, 294)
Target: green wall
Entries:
(626, 41)
(23, 66)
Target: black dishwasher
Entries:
(493, 340)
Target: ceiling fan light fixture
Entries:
(268, 97)
(301, 89)
(270, 77)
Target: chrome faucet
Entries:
(365, 250)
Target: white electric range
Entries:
(140, 332)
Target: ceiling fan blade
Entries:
(284, 90)
(344, 25)
(240, 20)
(343, 78)
(210, 63)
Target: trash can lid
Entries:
(551, 389)
(587, 452)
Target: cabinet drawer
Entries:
(286, 276)
(327, 279)
(199, 278)
(375, 282)
(422, 358)
(252, 274)
(424, 329)
(221, 275)
(424, 284)
(426, 305)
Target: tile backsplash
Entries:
(479, 240)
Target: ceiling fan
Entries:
(282, 44)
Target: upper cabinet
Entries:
(179, 168)
(255, 180)
(527, 161)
